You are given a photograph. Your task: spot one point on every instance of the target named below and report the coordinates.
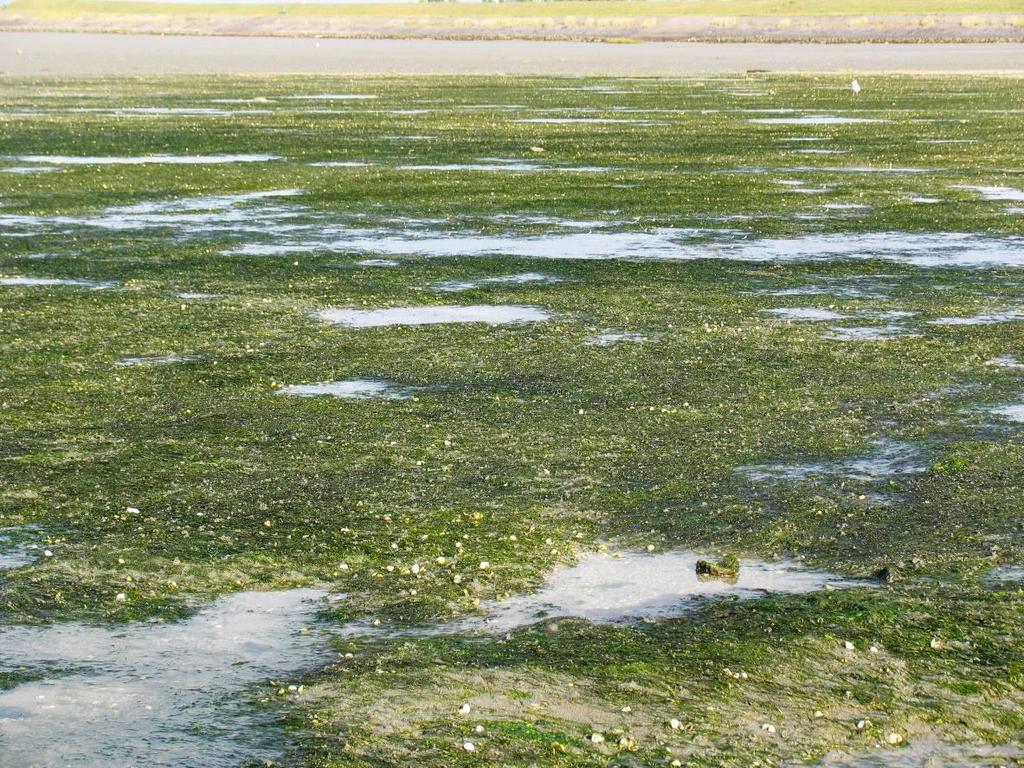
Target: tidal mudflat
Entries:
(173, 694)
(344, 431)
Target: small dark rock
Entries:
(890, 575)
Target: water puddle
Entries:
(577, 245)
(1013, 412)
(26, 169)
(403, 112)
(800, 189)
(43, 282)
(15, 553)
(1004, 573)
(130, 362)
(197, 296)
(341, 164)
(199, 204)
(191, 217)
(860, 169)
(920, 200)
(291, 229)
(1006, 361)
(498, 165)
(161, 695)
(985, 318)
(524, 278)
(627, 587)
(846, 207)
(814, 120)
(378, 263)
(929, 753)
(888, 459)
(938, 249)
(245, 100)
(555, 222)
(146, 159)
(610, 339)
(870, 333)
(490, 107)
(331, 97)
(166, 111)
(892, 327)
(998, 194)
(587, 121)
(866, 287)
(589, 89)
(801, 290)
(806, 314)
(358, 389)
(491, 314)
(945, 249)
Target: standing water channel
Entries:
(174, 695)
(155, 695)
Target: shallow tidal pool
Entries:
(478, 421)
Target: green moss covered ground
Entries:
(171, 484)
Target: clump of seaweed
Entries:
(726, 569)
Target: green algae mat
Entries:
(532, 421)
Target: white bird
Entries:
(855, 86)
